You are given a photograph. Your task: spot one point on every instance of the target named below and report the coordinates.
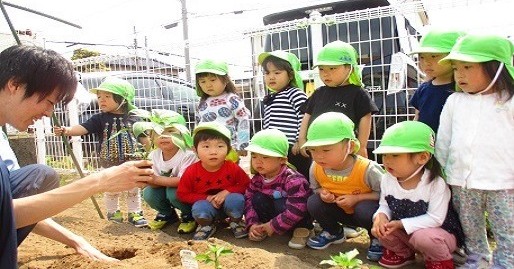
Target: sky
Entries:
(119, 22)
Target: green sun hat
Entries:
(407, 137)
(483, 48)
(438, 41)
(341, 53)
(210, 66)
(330, 128)
(269, 142)
(291, 59)
(224, 131)
(120, 87)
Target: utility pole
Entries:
(185, 33)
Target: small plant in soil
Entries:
(213, 255)
(347, 260)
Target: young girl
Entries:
(346, 186)
(429, 98)
(220, 103)
(276, 199)
(282, 106)
(116, 100)
(475, 145)
(415, 212)
(171, 156)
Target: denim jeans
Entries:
(233, 207)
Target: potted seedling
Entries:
(213, 255)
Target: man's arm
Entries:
(52, 230)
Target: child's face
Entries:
(276, 79)
(333, 156)
(164, 141)
(470, 77)
(429, 64)
(401, 165)
(212, 85)
(106, 102)
(212, 153)
(267, 166)
(334, 75)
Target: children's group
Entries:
(442, 174)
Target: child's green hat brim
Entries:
(119, 87)
(330, 128)
(438, 41)
(291, 59)
(407, 137)
(269, 142)
(263, 151)
(224, 131)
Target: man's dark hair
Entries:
(205, 135)
(41, 70)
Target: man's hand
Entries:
(83, 248)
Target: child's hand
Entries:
(363, 151)
(301, 150)
(219, 198)
(379, 229)
(327, 196)
(242, 152)
(58, 131)
(255, 232)
(266, 227)
(393, 226)
(347, 200)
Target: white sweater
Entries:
(475, 141)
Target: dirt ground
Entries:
(143, 248)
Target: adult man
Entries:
(32, 81)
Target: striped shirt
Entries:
(282, 112)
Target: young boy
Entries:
(214, 186)
(116, 100)
(276, 200)
(343, 92)
(170, 159)
(431, 96)
(346, 186)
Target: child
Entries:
(276, 200)
(415, 212)
(346, 186)
(343, 92)
(171, 157)
(213, 185)
(116, 100)
(282, 106)
(430, 97)
(475, 145)
(220, 103)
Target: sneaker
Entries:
(374, 250)
(204, 232)
(137, 219)
(391, 260)
(325, 239)
(186, 227)
(115, 216)
(238, 229)
(447, 264)
(162, 220)
(300, 237)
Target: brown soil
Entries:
(143, 248)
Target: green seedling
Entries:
(346, 260)
(213, 255)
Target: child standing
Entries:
(475, 145)
(346, 186)
(415, 212)
(171, 157)
(430, 97)
(282, 106)
(116, 100)
(214, 186)
(220, 103)
(343, 92)
(276, 200)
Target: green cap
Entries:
(120, 87)
(269, 142)
(221, 129)
(483, 48)
(210, 66)
(407, 137)
(341, 53)
(291, 59)
(438, 41)
(330, 128)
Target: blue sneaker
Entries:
(325, 239)
(374, 251)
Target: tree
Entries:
(84, 53)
